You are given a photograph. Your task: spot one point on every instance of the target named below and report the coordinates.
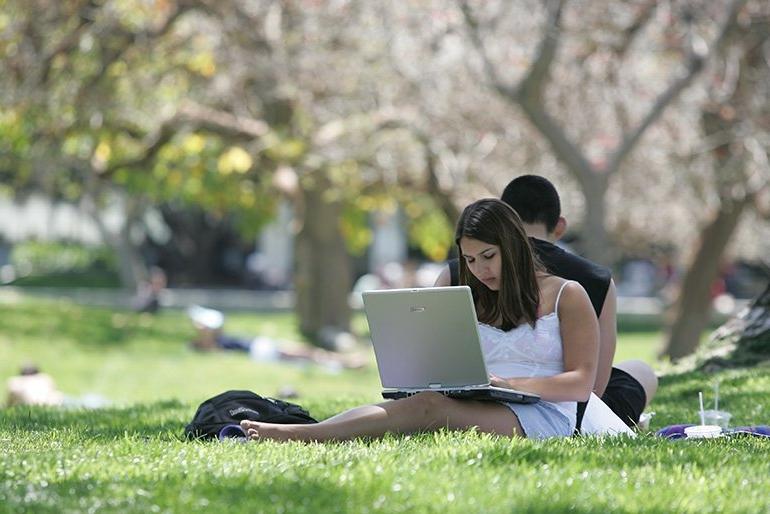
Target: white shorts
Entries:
(541, 420)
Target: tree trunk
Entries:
(323, 270)
(595, 241)
(745, 339)
(131, 267)
(693, 306)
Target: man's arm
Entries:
(444, 279)
(608, 335)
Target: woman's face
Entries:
(483, 260)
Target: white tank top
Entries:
(527, 351)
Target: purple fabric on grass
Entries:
(677, 431)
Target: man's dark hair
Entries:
(534, 199)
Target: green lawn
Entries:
(130, 457)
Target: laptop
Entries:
(428, 340)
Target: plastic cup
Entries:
(717, 417)
(703, 431)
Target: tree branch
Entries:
(531, 88)
(694, 65)
(643, 15)
(472, 25)
(199, 117)
(70, 41)
(528, 94)
(126, 39)
(222, 122)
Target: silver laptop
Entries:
(428, 340)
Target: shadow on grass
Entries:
(239, 492)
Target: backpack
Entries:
(231, 407)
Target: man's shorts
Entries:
(625, 396)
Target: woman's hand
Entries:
(496, 381)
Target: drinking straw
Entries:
(716, 395)
(700, 399)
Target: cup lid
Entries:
(701, 431)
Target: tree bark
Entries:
(730, 157)
(596, 244)
(744, 340)
(131, 267)
(322, 269)
(693, 306)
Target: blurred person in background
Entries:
(32, 387)
(210, 336)
(147, 298)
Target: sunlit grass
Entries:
(130, 456)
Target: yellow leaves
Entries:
(194, 186)
(429, 228)
(79, 145)
(354, 225)
(117, 69)
(283, 150)
(234, 160)
(247, 194)
(102, 153)
(194, 143)
(345, 173)
(202, 63)
(174, 178)
(9, 117)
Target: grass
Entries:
(130, 457)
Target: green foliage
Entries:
(355, 228)
(429, 228)
(49, 257)
(202, 170)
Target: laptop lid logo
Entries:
(417, 309)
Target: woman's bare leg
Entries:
(419, 413)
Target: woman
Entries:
(538, 332)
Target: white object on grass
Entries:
(600, 420)
(703, 431)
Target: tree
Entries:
(745, 339)
(592, 175)
(735, 122)
(62, 111)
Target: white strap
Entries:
(558, 296)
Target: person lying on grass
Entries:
(538, 333)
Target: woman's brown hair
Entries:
(495, 222)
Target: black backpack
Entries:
(231, 407)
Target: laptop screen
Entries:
(425, 338)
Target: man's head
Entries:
(536, 201)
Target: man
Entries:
(626, 388)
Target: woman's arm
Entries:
(580, 343)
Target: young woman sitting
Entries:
(538, 333)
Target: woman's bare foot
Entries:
(273, 431)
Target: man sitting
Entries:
(628, 387)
